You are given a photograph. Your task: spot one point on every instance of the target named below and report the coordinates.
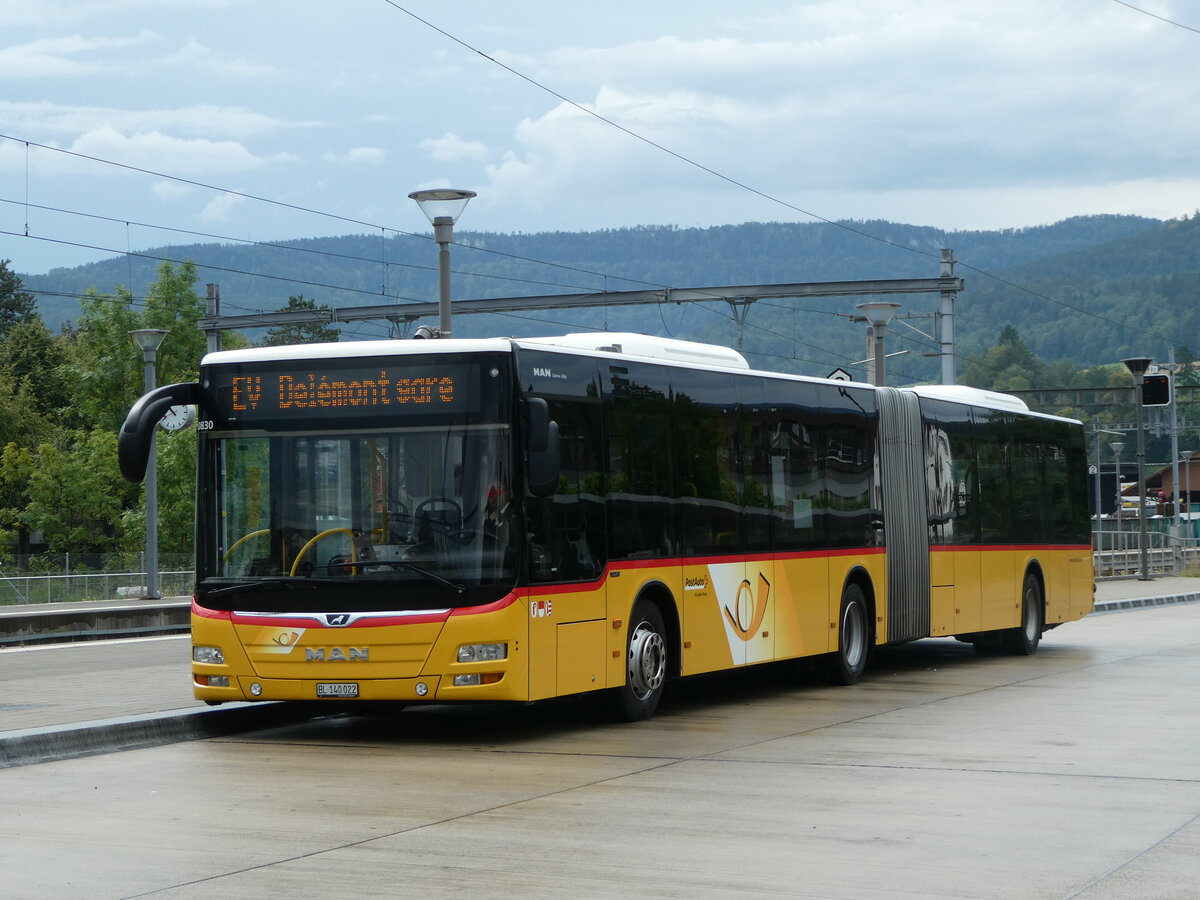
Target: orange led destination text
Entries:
(322, 392)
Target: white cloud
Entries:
(67, 56)
(221, 208)
(45, 118)
(196, 57)
(156, 151)
(165, 189)
(876, 97)
(451, 148)
(372, 156)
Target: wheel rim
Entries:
(647, 661)
(854, 635)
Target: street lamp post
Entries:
(1185, 456)
(1137, 367)
(442, 208)
(1099, 467)
(149, 340)
(879, 314)
(1117, 447)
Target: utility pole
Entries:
(212, 311)
(1137, 367)
(947, 320)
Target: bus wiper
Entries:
(245, 586)
(424, 573)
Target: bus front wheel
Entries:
(645, 664)
(854, 641)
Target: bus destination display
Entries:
(307, 392)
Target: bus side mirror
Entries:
(543, 449)
(133, 440)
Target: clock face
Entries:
(178, 417)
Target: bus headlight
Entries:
(482, 652)
(202, 654)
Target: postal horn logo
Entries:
(748, 609)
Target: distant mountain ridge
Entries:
(1103, 286)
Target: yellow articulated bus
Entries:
(519, 519)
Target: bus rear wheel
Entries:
(1024, 639)
(854, 638)
(645, 664)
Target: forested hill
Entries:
(1088, 289)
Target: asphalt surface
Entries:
(82, 697)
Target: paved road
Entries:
(1073, 773)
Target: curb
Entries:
(1144, 602)
(38, 745)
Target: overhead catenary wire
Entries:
(733, 181)
(614, 124)
(299, 208)
(275, 245)
(1146, 12)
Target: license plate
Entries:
(341, 689)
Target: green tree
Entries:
(16, 304)
(302, 333)
(108, 367)
(75, 494)
(1008, 366)
(31, 356)
(1185, 358)
(16, 466)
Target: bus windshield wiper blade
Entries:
(424, 573)
(277, 581)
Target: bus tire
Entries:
(645, 664)
(1024, 640)
(854, 641)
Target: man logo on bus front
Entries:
(337, 620)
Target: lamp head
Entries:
(1137, 365)
(442, 203)
(149, 339)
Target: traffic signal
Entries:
(1156, 390)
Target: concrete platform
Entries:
(92, 620)
(943, 775)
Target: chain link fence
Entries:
(68, 577)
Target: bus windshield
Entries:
(404, 509)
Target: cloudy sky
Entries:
(964, 114)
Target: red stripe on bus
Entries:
(995, 548)
(503, 603)
(205, 613)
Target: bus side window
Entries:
(567, 529)
(640, 455)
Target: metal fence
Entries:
(65, 577)
(1119, 552)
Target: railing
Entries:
(54, 578)
(1119, 553)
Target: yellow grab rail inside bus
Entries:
(242, 540)
(323, 534)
